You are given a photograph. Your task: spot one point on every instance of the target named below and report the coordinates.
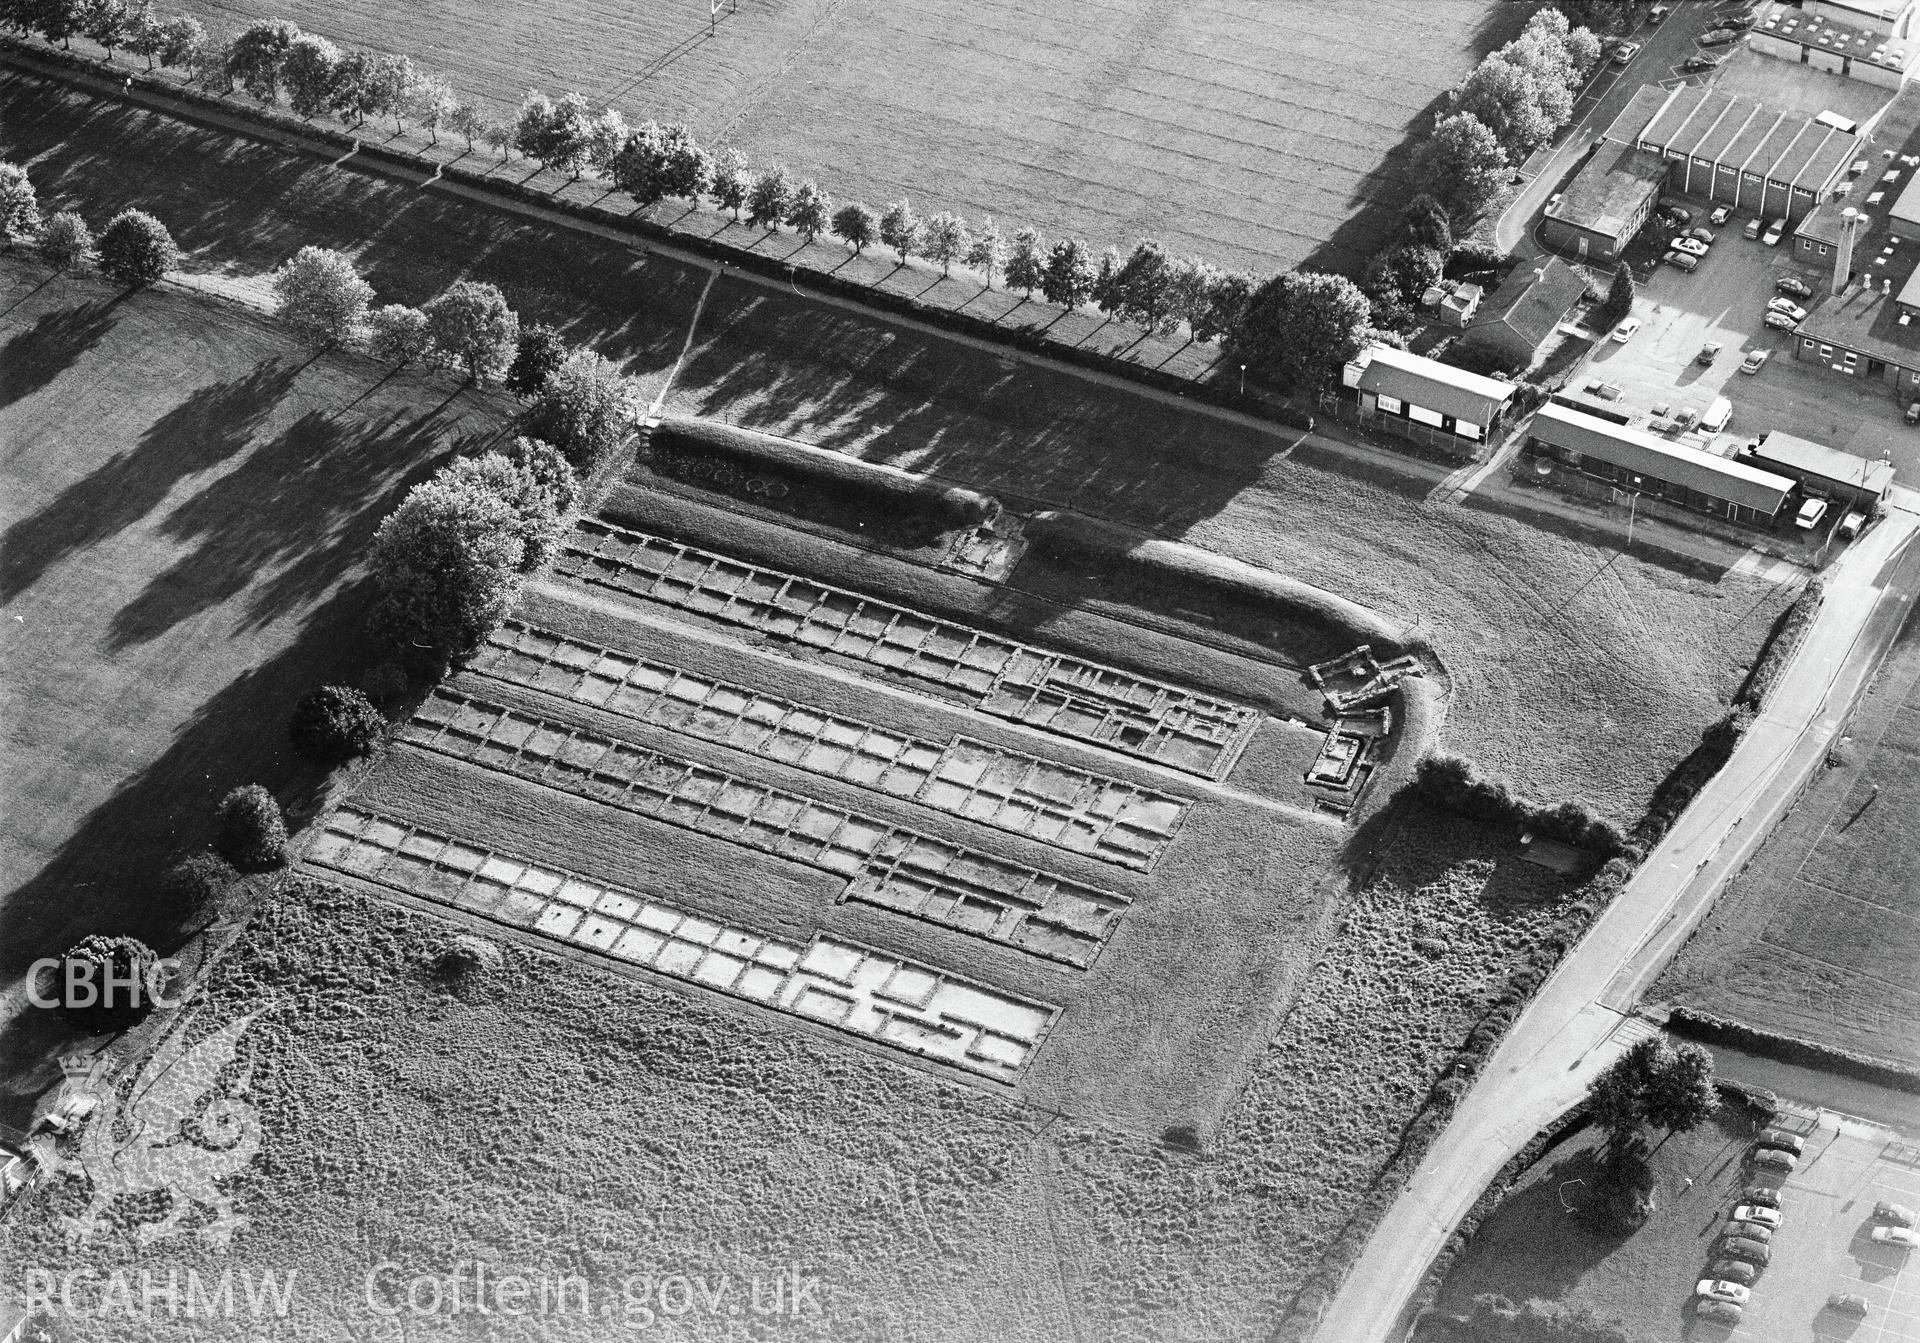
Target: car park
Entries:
(1772, 236)
(1847, 1303)
(1745, 1247)
(1719, 37)
(1624, 332)
(1685, 261)
(1733, 1270)
(1708, 353)
(1894, 1213)
(1752, 230)
(1720, 1312)
(1798, 288)
(1625, 52)
(1751, 1212)
(1780, 1138)
(1753, 363)
(1903, 1236)
(1779, 321)
(1692, 245)
(1702, 60)
(1810, 514)
(1721, 214)
(1722, 1291)
(1773, 1159)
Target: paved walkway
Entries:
(1580, 1019)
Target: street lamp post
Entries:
(1243, 379)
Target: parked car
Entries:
(1895, 1213)
(1848, 1303)
(1732, 1270)
(1788, 306)
(1719, 37)
(1692, 245)
(1625, 52)
(1721, 214)
(1682, 261)
(1851, 524)
(1780, 321)
(1903, 1236)
(1913, 412)
(1743, 1247)
(1772, 236)
(1773, 1159)
(1553, 201)
(1708, 353)
(1624, 332)
(1702, 60)
(1720, 1312)
(1810, 514)
(1749, 1230)
(1722, 1291)
(1780, 1138)
(1787, 284)
(1752, 230)
(1679, 214)
(1753, 1212)
(1702, 234)
(1657, 13)
(1753, 363)
(1758, 1194)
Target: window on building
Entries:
(1823, 249)
(1750, 177)
(1826, 352)
(1425, 416)
(1806, 342)
(1390, 404)
(1466, 428)
(1851, 360)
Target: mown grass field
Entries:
(1254, 137)
(189, 493)
(1819, 936)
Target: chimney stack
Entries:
(1850, 222)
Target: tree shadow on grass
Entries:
(211, 424)
(1532, 1246)
(35, 357)
(287, 519)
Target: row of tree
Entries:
(1514, 101)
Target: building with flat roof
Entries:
(1892, 18)
(1860, 483)
(1520, 317)
(1838, 39)
(1637, 462)
(1606, 204)
(1736, 150)
(1426, 400)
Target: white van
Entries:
(1717, 415)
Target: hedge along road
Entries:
(1579, 1022)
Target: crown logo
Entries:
(77, 1067)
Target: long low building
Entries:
(1426, 400)
(1823, 472)
(1643, 463)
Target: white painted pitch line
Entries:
(653, 411)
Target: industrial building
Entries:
(1859, 483)
(1426, 400)
(1636, 462)
(1856, 41)
(1608, 201)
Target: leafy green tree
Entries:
(498, 136)
(390, 87)
(66, 243)
(1619, 300)
(1462, 164)
(107, 22)
(208, 61)
(19, 205)
(659, 161)
(1026, 261)
(334, 723)
(856, 225)
(900, 229)
(537, 357)
(356, 88)
(180, 37)
(136, 249)
(811, 211)
(430, 103)
(1524, 103)
(987, 250)
(398, 334)
(1680, 1094)
(539, 505)
(606, 136)
(585, 411)
(688, 168)
(465, 121)
(1068, 279)
(321, 295)
(308, 74)
(770, 198)
(1143, 285)
(1401, 274)
(446, 568)
(1190, 284)
(258, 55)
(143, 32)
(945, 240)
(535, 129)
(249, 831)
(1300, 327)
(730, 181)
(1226, 307)
(472, 325)
(1424, 223)
(1106, 293)
(59, 20)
